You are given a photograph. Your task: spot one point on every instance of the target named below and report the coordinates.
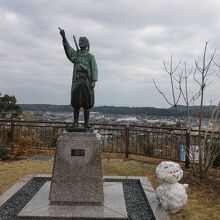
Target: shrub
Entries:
(217, 159)
(3, 153)
(24, 143)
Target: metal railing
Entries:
(158, 142)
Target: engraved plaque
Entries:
(77, 152)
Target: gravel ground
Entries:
(137, 205)
(10, 210)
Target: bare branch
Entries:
(175, 77)
(171, 71)
(171, 63)
(165, 67)
(178, 97)
(216, 64)
(162, 94)
(218, 74)
(210, 61)
(184, 97)
(197, 67)
(187, 75)
(194, 77)
(195, 97)
(177, 66)
(211, 73)
(207, 84)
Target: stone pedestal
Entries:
(77, 173)
(77, 190)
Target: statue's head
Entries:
(84, 43)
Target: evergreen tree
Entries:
(8, 107)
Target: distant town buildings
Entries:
(97, 117)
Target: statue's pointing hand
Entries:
(62, 32)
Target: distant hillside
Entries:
(133, 110)
(102, 109)
(46, 107)
(194, 110)
(120, 110)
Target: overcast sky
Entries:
(129, 39)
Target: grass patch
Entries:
(12, 171)
(203, 198)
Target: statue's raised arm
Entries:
(70, 52)
(62, 33)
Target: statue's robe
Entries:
(82, 94)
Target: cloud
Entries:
(129, 39)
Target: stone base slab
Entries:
(114, 206)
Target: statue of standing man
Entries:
(85, 74)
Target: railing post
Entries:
(187, 161)
(126, 141)
(11, 136)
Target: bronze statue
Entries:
(85, 74)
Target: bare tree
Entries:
(202, 79)
(201, 76)
(171, 70)
(189, 99)
(210, 142)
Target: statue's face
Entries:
(82, 42)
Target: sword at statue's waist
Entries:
(82, 74)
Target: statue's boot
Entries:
(76, 117)
(86, 118)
